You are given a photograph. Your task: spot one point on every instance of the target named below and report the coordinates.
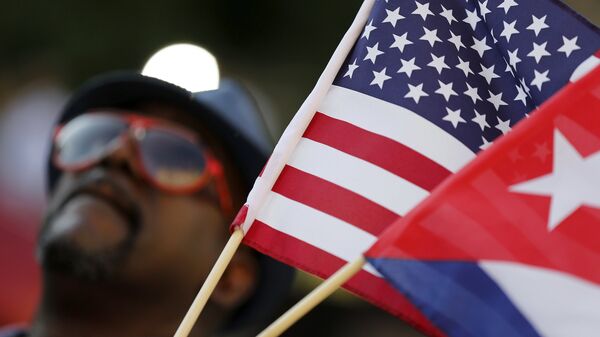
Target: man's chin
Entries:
(86, 238)
(68, 258)
(67, 255)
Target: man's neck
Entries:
(73, 308)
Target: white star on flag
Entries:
(480, 120)
(447, 13)
(373, 52)
(480, 46)
(472, 18)
(538, 24)
(574, 182)
(438, 63)
(456, 40)
(446, 90)
(408, 67)
(539, 51)
(368, 29)
(521, 95)
(496, 100)
(488, 73)
(569, 46)
(509, 30)
(514, 58)
(509, 69)
(379, 78)
(503, 126)
(454, 117)
(416, 92)
(400, 42)
(485, 144)
(464, 66)
(393, 16)
(507, 4)
(472, 92)
(525, 86)
(351, 68)
(483, 9)
(423, 10)
(430, 36)
(540, 79)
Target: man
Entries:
(144, 180)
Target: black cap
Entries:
(231, 113)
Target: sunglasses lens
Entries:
(172, 160)
(86, 138)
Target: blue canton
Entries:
(473, 68)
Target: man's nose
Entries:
(123, 155)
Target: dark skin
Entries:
(136, 255)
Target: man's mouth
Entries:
(127, 212)
(106, 191)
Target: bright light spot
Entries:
(186, 65)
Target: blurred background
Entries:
(277, 48)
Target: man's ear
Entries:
(239, 280)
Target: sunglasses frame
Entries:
(136, 126)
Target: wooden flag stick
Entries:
(209, 284)
(313, 299)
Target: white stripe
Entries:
(357, 175)
(585, 67)
(316, 228)
(555, 303)
(397, 123)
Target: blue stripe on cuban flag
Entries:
(458, 297)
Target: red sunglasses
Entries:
(170, 158)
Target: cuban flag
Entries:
(509, 246)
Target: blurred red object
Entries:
(20, 285)
(25, 130)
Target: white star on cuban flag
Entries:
(574, 181)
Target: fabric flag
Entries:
(509, 246)
(413, 92)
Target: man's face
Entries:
(108, 223)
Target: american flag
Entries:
(425, 86)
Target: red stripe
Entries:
(597, 54)
(320, 263)
(239, 219)
(378, 150)
(334, 200)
